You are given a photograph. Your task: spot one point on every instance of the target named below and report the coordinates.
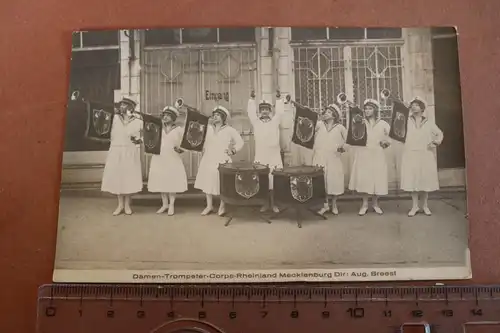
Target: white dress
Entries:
(418, 163)
(325, 154)
(267, 137)
(122, 171)
(167, 173)
(216, 144)
(369, 172)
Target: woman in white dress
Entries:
(222, 141)
(122, 172)
(167, 174)
(328, 147)
(369, 174)
(418, 165)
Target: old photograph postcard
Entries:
(263, 154)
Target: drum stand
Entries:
(255, 212)
(299, 211)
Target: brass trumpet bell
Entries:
(179, 102)
(385, 93)
(75, 95)
(342, 98)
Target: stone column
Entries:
(130, 69)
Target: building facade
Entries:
(214, 66)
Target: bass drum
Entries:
(299, 185)
(244, 184)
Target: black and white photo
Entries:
(263, 154)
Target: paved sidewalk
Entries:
(90, 237)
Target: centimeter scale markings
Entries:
(167, 308)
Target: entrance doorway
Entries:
(203, 77)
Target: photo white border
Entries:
(266, 276)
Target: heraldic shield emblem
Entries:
(358, 127)
(152, 134)
(304, 127)
(301, 188)
(399, 122)
(356, 133)
(195, 133)
(247, 184)
(152, 131)
(400, 125)
(102, 121)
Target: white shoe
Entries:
(118, 211)
(206, 211)
(171, 210)
(378, 210)
(221, 211)
(427, 211)
(162, 210)
(322, 211)
(335, 210)
(128, 211)
(413, 212)
(363, 210)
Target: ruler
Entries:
(64, 308)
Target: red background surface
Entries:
(35, 46)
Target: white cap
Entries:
(222, 109)
(335, 107)
(372, 101)
(171, 109)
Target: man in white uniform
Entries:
(267, 136)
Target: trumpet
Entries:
(179, 102)
(342, 99)
(386, 95)
(290, 100)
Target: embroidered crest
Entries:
(195, 134)
(152, 134)
(102, 121)
(304, 129)
(301, 187)
(247, 184)
(400, 125)
(358, 127)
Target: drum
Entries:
(299, 185)
(244, 183)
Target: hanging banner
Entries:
(99, 121)
(304, 128)
(195, 131)
(399, 122)
(152, 133)
(356, 134)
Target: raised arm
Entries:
(252, 108)
(280, 107)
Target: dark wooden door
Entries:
(448, 102)
(96, 75)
